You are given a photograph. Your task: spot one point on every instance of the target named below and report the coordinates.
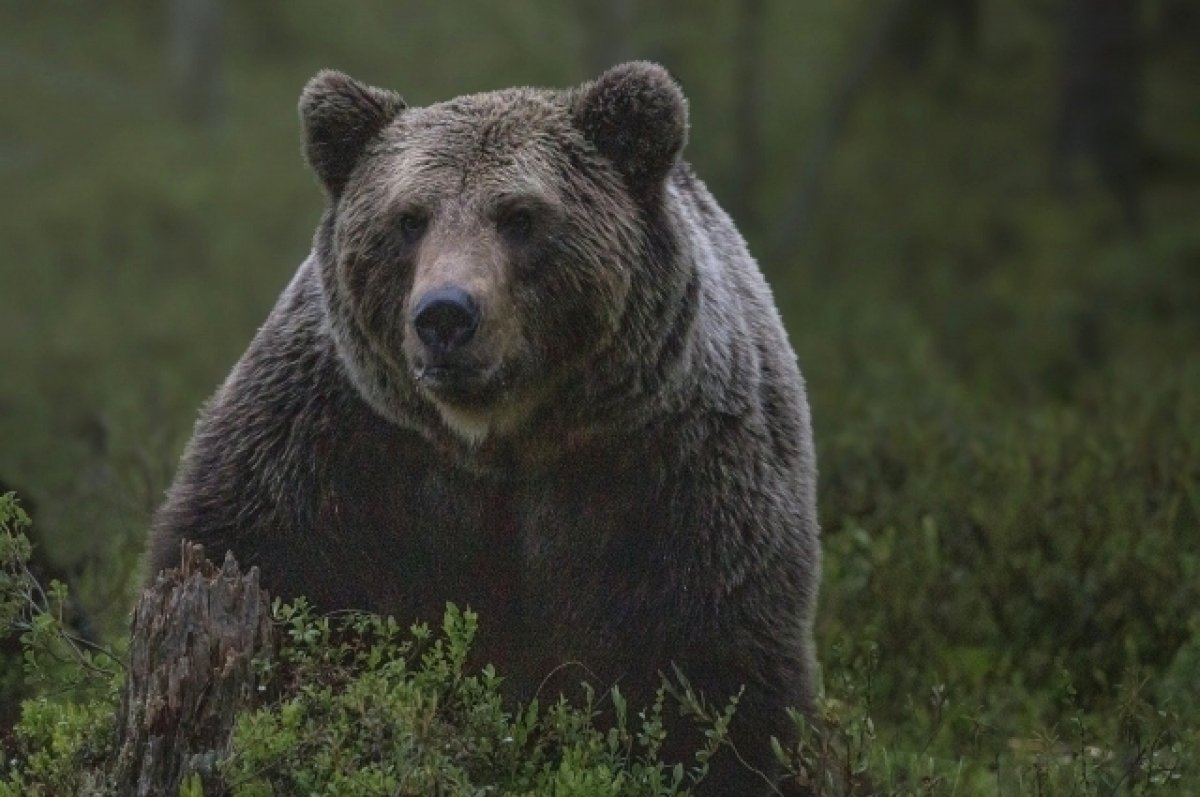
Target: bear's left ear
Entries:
(635, 114)
(340, 115)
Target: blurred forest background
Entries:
(981, 219)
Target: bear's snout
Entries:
(445, 320)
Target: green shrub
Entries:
(64, 734)
(367, 709)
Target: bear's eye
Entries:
(412, 226)
(517, 224)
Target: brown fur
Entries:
(623, 476)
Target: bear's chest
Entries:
(429, 533)
(558, 568)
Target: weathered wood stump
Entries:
(193, 638)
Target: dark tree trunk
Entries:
(747, 112)
(818, 150)
(195, 51)
(1101, 98)
(194, 636)
(918, 30)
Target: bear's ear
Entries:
(635, 115)
(340, 115)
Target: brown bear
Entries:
(529, 367)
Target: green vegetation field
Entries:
(1005, 381)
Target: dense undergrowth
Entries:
(1005, 383)
(359, 705)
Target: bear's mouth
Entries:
(458, 384)
(476, 404)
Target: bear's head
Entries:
(487, 258)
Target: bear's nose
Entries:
(445, 319)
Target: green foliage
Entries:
(367, 709)
(58, 743)
(53, 656)
(59, 749)
(944, 749)
(15, 582)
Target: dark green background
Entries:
(1005, 373)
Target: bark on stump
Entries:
(194, 636)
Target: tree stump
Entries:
(194, 636)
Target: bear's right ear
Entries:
(635, 115)
(340, 115)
